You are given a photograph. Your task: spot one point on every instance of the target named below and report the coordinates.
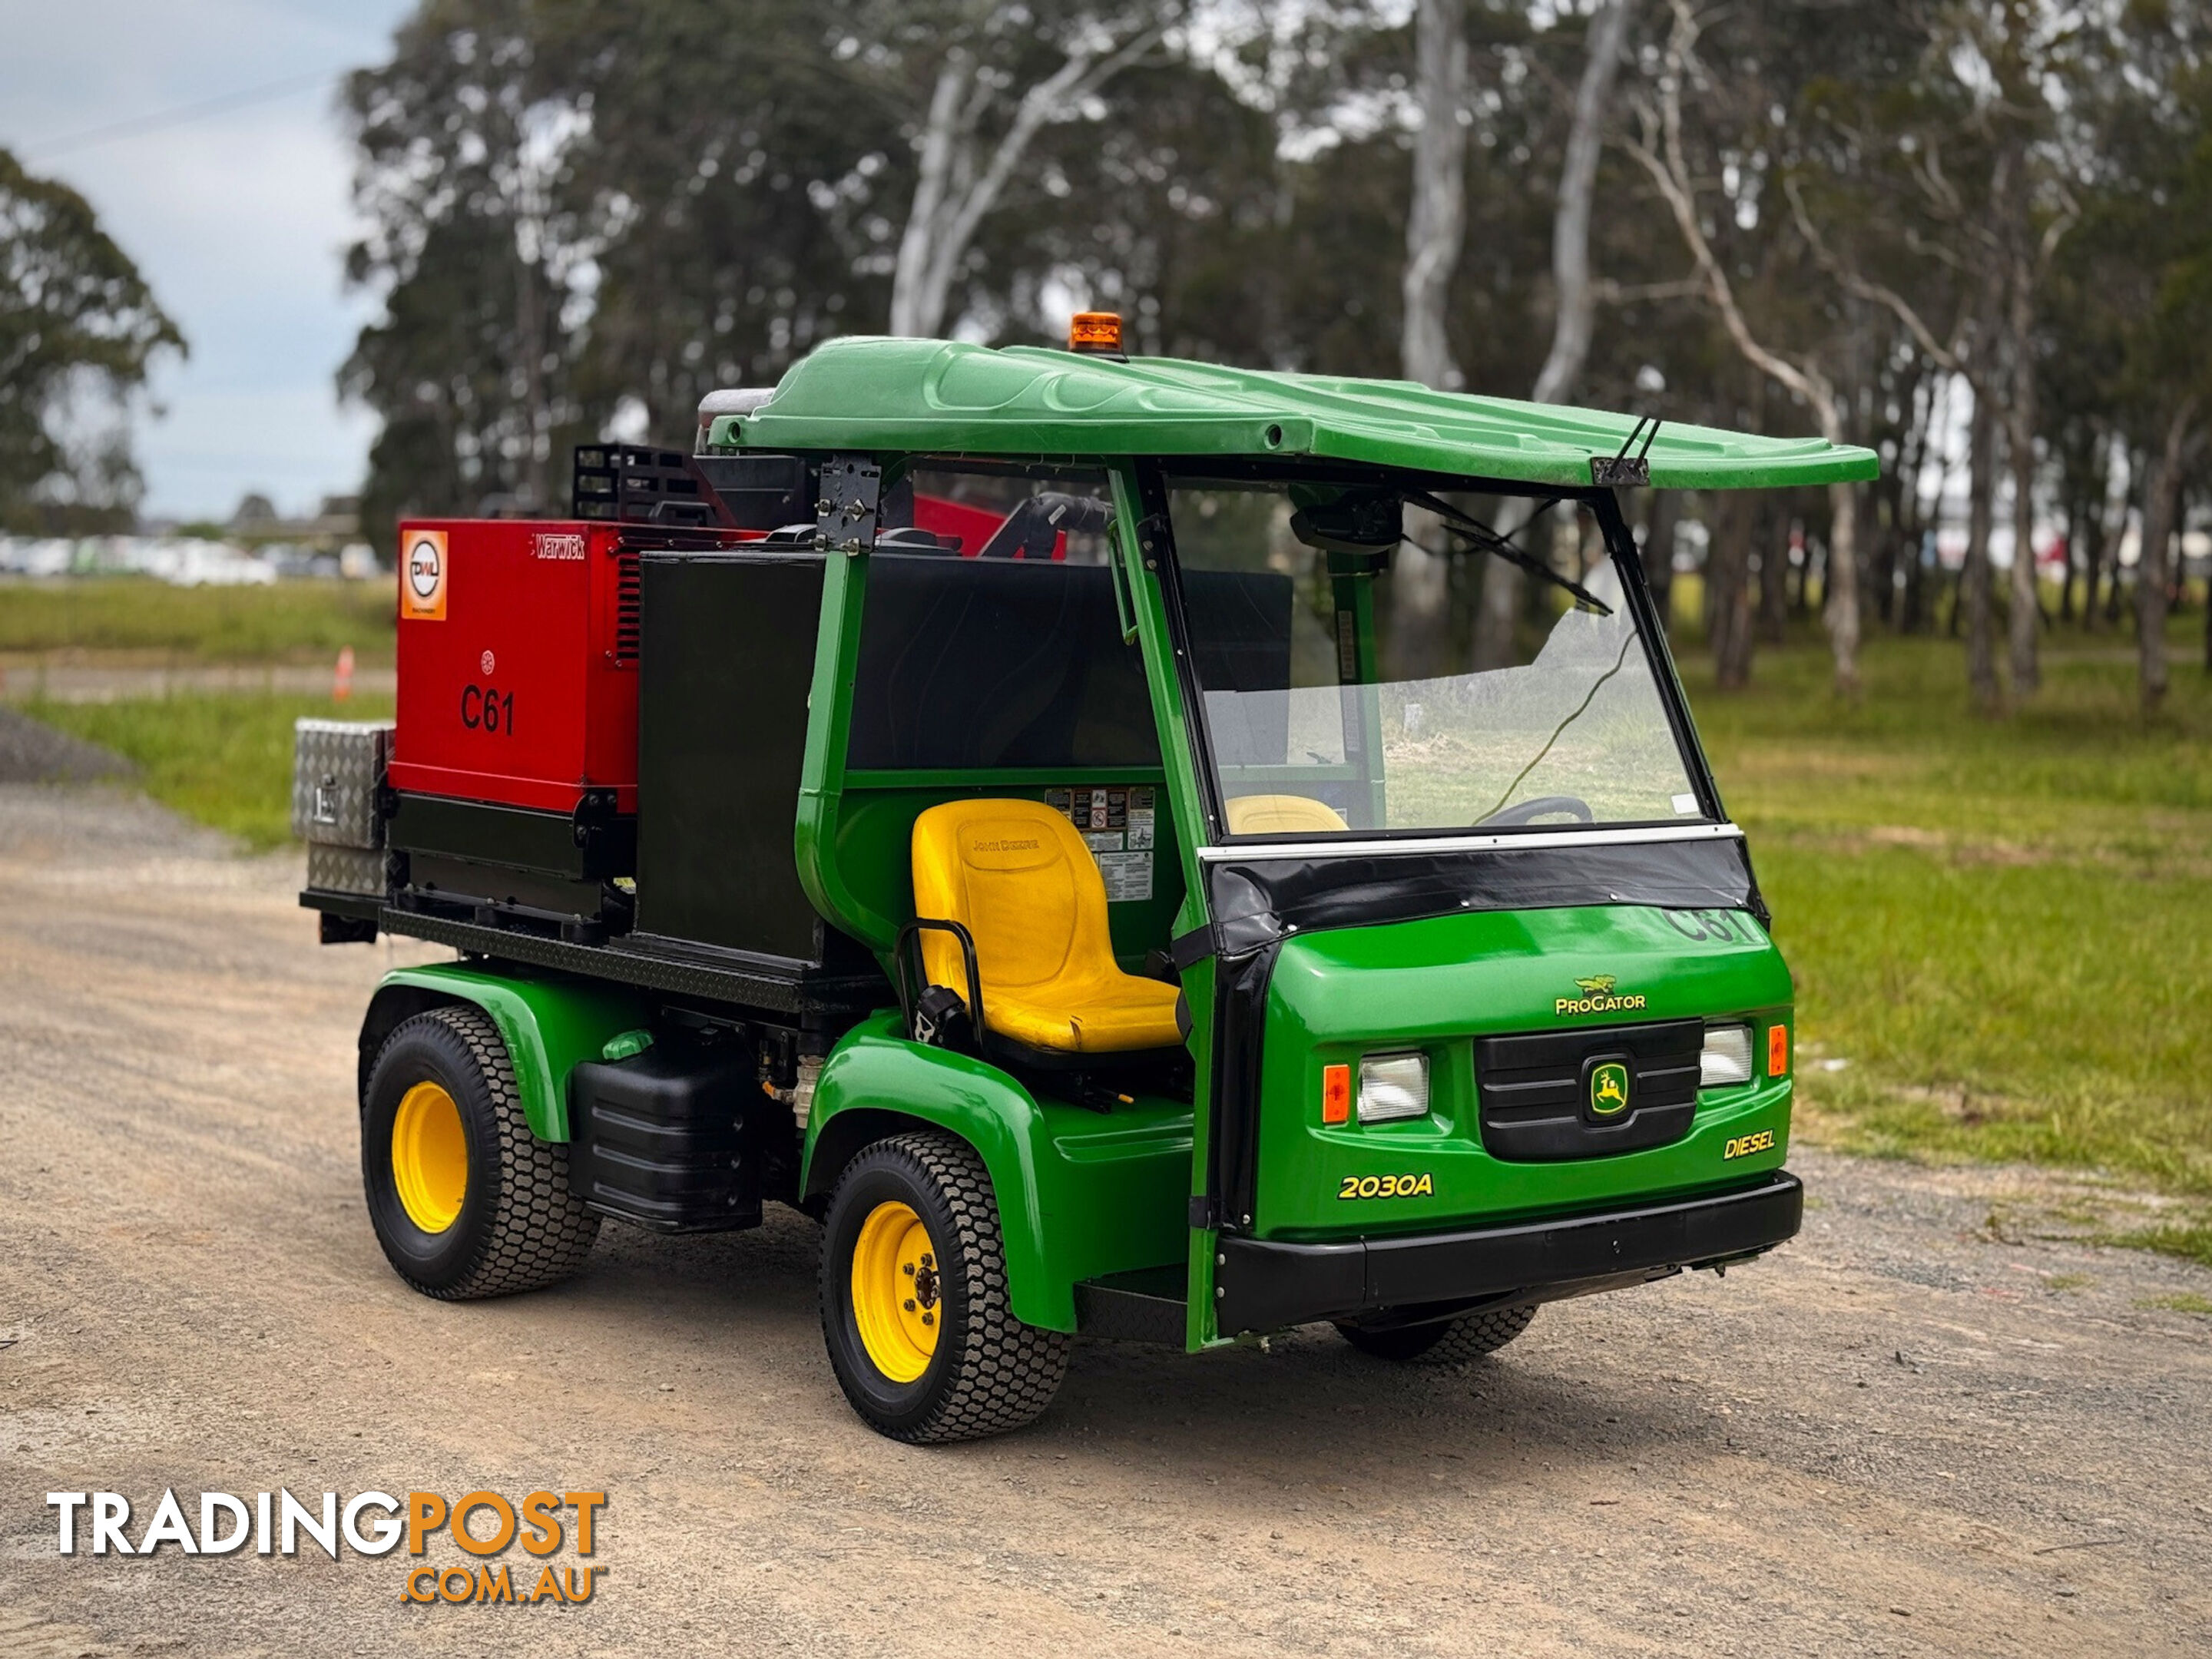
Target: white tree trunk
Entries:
(1576, 301)
(1574, 295)
(2020, 436)
(1974, 577)
(1437, 223)
(916, 308)
(2161, 493)
(956, 187)
(1841, 611)
(1661, 154)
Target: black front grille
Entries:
(1534, 1089)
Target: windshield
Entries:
(1397, 676)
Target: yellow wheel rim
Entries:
(896, 1298)
(429, 1157)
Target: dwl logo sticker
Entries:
(422, 575)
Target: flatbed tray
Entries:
(676, 966)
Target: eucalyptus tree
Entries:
(574, 225)
(1436, 225)
(2137, 276)
(461, 143)
(975, 83)
(739, 191)
(78, 326)
(1799, 359)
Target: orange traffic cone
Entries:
(342, 686)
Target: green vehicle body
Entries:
(932, 397)
(550, 1022)
(1086, 1197)
(1081, 1195)
(1411, 985)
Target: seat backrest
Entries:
(1282, 815)
(1016, 875)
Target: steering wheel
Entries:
(1528, 812)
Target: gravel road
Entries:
(32, 751)
(1898, 1434)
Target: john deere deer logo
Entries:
(1597, 997)
(1608, 1089)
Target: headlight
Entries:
(1394, 1086)
(1727, 1058)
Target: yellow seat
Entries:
(1016, 875)
(1282, 815)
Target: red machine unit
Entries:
(518, 662)
(519, 643)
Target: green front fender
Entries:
(1080, 1194)
(550, 1024)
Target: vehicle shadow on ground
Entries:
(1314, 1412)
(1309, 1412)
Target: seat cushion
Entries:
(1016, 875)
(1110, 1018)
(1282, 815)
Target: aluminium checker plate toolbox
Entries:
(337, 772)
(345, 870)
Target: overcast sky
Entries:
(238, 216)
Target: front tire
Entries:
(1446, 1342)
(465, 1200)
(914, 1306)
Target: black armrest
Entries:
(911, 934)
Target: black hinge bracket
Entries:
(845, 515)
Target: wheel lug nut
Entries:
(909, 1270)
(929, 1319)
(909, 1304)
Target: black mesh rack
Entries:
(636, 484)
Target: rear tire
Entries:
(914, 1306)
(466, 1202)
(1447, 1342)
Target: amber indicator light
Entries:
(1095, 330)
(1777, 1050)
(1336, 1094)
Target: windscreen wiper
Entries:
(1487, 540)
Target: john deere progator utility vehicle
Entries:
(1091, 834)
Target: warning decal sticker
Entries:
(1116, 824)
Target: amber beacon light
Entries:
(1098, 332)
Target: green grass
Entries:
(1998, 926)
(223, 759)
(2182, 1301)
(2189, 1239)
(291, 621)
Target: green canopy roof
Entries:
(867, 393)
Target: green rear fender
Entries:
(550, 1025)
(1080, 1194)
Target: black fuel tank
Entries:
(665, 1138)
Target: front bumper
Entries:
(1264, 1285)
